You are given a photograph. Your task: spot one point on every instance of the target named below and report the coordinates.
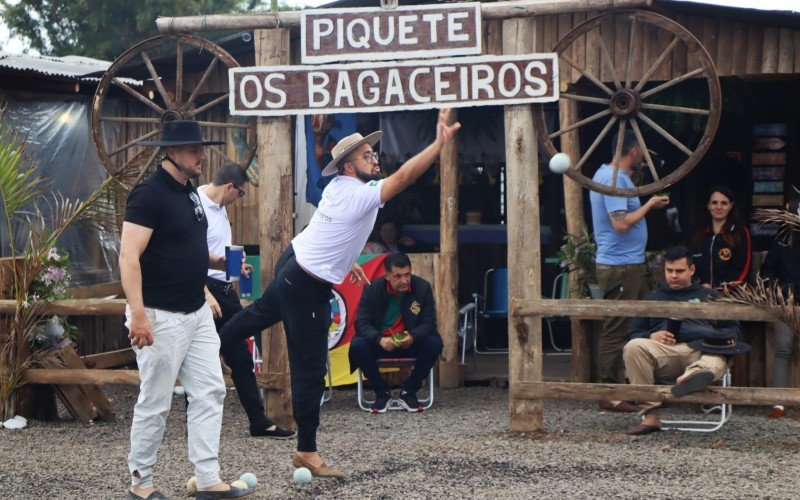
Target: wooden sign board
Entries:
(375, 34)
(393, 86)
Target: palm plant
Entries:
(44, 218)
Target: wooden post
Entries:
(573, 208)
(524, 245)
(275, 190)
(447, 274)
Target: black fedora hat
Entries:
(720, 343)
(180, 133)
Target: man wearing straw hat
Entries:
(695, 352)
(322, 255)
(163, 263)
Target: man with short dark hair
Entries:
(396, 319)
(322, 255)
(695, 351)
(227, 186)
(620, 232)
(163, 262)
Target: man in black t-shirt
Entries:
(163, 264)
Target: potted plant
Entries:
(578, 255)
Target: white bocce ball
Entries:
(560, 163)
(191, 486)
(250, 479)
(302, 475)
(239, 484)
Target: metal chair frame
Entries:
(704, 425)
(394, 404)
(560, 284)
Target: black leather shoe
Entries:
(277, 433)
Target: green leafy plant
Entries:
(578, 255)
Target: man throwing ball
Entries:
(322, 255)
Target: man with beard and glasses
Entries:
(163, 263)
(621, 235)
(322, 255)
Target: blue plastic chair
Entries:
(492, 304)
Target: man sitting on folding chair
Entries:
(396, 319)
(695, 352)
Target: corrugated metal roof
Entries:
(68, 66)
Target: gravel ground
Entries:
(460, 448)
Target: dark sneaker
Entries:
(409, 402)
(277, 433)
(710, 408)
(381, 403)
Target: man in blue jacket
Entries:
(695, 352)
(396, 319)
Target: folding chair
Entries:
(704, 425)
(394, 404)
(467, 327)
(560, 291)
(492, 304)
(328, 394)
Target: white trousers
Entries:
(185, 346)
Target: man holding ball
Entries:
(621, 236)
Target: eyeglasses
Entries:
(198, 208)
(241, 191)
(369, 157)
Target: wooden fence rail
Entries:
(639, 308)
(626, 392)
(272, 381)
(74, 307)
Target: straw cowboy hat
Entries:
(180, 133)
(346, 146)
(723, 344)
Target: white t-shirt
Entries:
(219, 230)
(331, 243)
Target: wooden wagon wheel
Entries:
(167, 101)
(625, 102)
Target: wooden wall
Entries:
(737, 47)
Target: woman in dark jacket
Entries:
(783, 265)
(721, 245)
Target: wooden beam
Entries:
(623, 392)
(73, 307)
(112, 359)
(447, 274)
(94, 291)
(276, 204)
(524, 244)
(638, 308)
(291, 19)
(271, 381)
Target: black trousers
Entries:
(237, 356)
(303, 304)
(365, 355)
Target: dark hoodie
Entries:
(691, 329)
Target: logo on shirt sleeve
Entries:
(372, 183)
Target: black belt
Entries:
(225, 286)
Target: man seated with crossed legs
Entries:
(695, 352)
